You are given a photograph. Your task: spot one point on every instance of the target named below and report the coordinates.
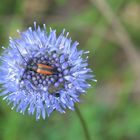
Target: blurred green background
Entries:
(111, 31)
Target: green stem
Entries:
(83, 123)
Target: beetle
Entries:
(41, 68)
(44, 69)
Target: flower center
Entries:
(47, 71)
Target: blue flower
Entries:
(41, 72)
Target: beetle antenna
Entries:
(26, 50)
(21, 54)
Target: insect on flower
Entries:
(44, 69)
(42, 72)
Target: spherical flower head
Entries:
(41, 72)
